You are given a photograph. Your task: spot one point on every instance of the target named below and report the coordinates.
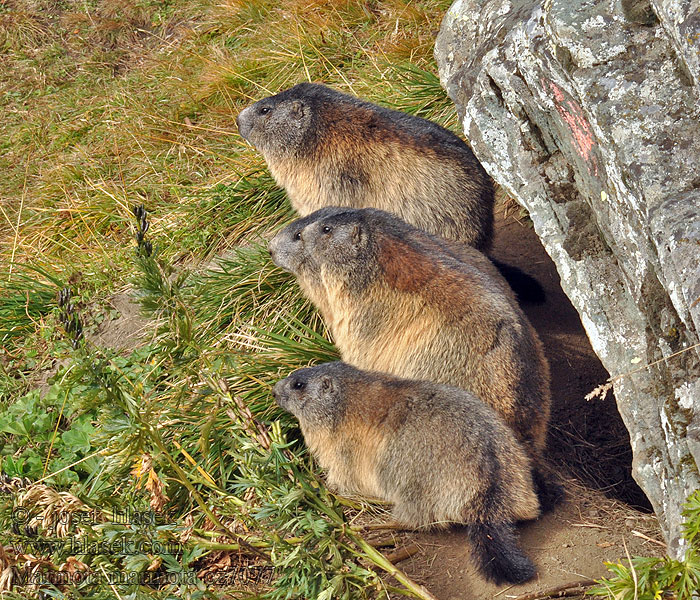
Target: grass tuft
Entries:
(27, 295)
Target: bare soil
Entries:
(588, 445)
(126, 329)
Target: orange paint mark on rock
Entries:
(580, 128)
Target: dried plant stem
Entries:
(559, 591)
(383, 527)
(385, 564)
(403, 553)
(383, 543)
(639, 534)
(257, 430)
(19, 219)
(602, 389)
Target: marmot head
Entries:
(314, 395)
(282, 124)
(333, 239)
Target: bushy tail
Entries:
(497, 553)
(548, 489)
(527, 289)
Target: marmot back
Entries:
(327, 148)
(436, 452)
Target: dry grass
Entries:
(118, 102)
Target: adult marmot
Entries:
(436, 452)
(401, 301)
(327, 148)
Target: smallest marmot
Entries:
(439, 454)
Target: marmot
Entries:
(436, 452)
(327, 148)
(402, 301)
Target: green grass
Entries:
(29, 294)
(109, 104)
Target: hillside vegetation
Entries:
(162, 468)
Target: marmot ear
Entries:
(297, 109)
(327, 384)
(356, 234)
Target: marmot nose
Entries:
(243, 123)
(277, 390)
(271, 248)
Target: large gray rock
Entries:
(586, 112)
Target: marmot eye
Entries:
(327, 229)
(264, 110)
(297, 235)
(298, 385)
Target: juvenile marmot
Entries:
(436, 452)
(402, 301)
(327, 148)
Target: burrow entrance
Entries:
(587, 439)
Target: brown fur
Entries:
(439, 454)
(372, 450)
(330, 149)
(353, 470)
(410, 304)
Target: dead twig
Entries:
(558, 591)
(383, 527)
(383, 543)
(403, 553)
(592, 525)
(602, 390)
(639, 534)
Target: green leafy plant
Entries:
(44, 435)
(655, 578)
(187, 431)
